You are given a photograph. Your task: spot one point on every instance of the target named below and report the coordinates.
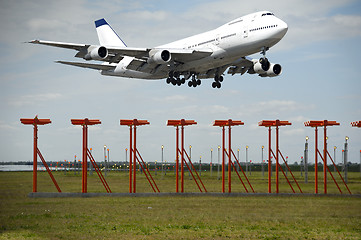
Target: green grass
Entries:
(176, 217)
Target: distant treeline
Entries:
(351, 167)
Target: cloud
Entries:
(4, 126)
(273, 107)
(36, 99)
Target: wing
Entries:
(116, 54)
(241, 66)
(74, 46)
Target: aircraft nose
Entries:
(283, 27)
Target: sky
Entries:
(320, 57)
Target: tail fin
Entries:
(107, 36)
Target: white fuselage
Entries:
(239, 38)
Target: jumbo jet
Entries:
(202, 56)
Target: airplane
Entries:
(202, 56)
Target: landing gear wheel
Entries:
(183, 80)
(174, 81)
(214, 84)
(218, 85)
(198, 82)
(190, 84)
(220, 78)
(169, 80)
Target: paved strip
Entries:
(187, 194)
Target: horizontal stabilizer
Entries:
(89, 65)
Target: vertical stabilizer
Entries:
(107, 36)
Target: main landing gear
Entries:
(194, 82)
(217, 81)
(175, 79)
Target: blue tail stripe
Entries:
(100, 22)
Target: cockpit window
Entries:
(265, 14)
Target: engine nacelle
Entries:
(261, 66)
(159, 57)
(273, 71)
(97, 53)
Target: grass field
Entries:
(176, 217)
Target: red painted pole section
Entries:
(269, 161)
(35, 159)
(181, 123)
(316, 160)
(325, 158)
(182, 159)
(229, 157)
(135, 157)
(269, 124)
(35, 122)
(84, 123)
(177, 159)
(316, 124)
(277, 162)
(223, 160)
(130, 159)
(85, 160)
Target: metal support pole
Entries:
(162, 161)
(334, 158)
(108, 160)
(218, 177)
(229, 159)
(105, 160)
(35, 159)
(247, 160)
(211, 165)
(262, 163)
(345, 158)
(306, 160)
(223, 159)
(200, 166)
(177, 159)
(269, 160)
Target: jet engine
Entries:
(261, 66)
(96, 53)
(159, 57)
(273, 71)
(265, 69)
